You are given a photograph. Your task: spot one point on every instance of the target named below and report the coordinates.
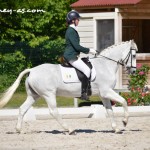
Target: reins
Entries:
(118, 62)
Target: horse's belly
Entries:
(69, 90)
(74, 90)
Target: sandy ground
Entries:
(92, 134)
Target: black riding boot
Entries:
(84, 86)
(89, 90)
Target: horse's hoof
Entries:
(18, 130)
(124, 123)
(73, 132)
(118, 131)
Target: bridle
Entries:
(120, 62)
(128, 56)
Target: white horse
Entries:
(46, 81)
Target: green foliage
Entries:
(32, 33)
(52, 50)
(137, 82)
(11, 65)
(33, 21)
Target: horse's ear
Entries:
(134, 44)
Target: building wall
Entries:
(86, 32)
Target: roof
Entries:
(95, 3)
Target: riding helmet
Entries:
(72, 15)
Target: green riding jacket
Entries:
(73, 47)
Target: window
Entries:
(105, 34)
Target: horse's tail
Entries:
(11, 90)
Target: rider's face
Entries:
(76, 22)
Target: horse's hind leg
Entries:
(22, 111)
(51, 101)
(31, 98)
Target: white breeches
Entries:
(80, 65)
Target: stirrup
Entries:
(89, 92)
(84, 96)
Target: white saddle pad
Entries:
(69, 74)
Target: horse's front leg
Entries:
(110, 113)
(112, 95)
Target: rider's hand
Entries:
(92, 51)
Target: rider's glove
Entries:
(92, 51)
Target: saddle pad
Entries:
(69, 74)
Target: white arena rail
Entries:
(93, 111)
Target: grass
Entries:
(19, 97)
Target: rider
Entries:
(73, 49)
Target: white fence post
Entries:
(75, 102)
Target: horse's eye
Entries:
(134, 56)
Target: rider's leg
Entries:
(80, 65)
(84, 87)
(89, 90)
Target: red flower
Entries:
(143, 94)
(128, 100)
(138, 66)
(132, 89)
(141, 72)
(134, 101)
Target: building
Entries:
(108, 22)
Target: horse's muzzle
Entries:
(132, 70)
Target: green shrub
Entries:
(11, 64)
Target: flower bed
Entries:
(139, 94)
(137, 98)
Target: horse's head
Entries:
(129, 58)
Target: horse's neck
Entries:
(116, 52)
(112, 56)
(113, 53)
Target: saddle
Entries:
(79, 73)
(73, 75)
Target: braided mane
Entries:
(106, 51)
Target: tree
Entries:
(32, 21)
(31, 32)
(27, 25)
